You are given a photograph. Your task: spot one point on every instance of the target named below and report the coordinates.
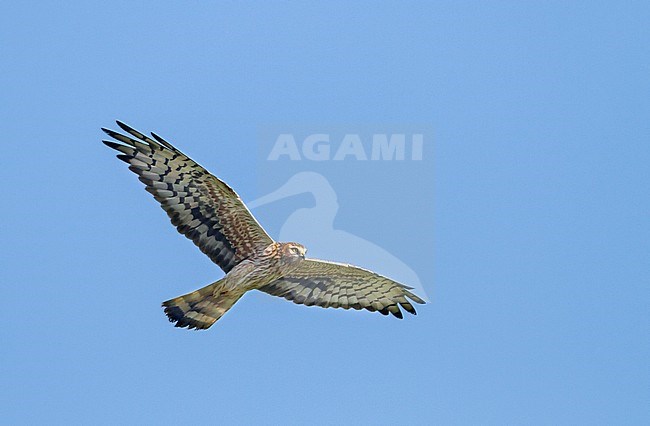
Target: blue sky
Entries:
(526, 220)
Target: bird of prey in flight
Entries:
(208, 212)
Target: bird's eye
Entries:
(294, 250)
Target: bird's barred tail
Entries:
(201, 308)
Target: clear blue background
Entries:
(541, 118)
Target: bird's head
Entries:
(292, 252)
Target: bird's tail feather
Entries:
(201, 308)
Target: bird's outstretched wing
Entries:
(336, 285)
(202, 207)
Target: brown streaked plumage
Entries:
(211, 214)
(337, 285)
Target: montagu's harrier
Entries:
(210, 213)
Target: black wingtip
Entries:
(113, 133)
(130, 130)
(407, 307)
(114, 145)
(123, 125)
(163, 142)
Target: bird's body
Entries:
(202, 308)
(212, 215)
